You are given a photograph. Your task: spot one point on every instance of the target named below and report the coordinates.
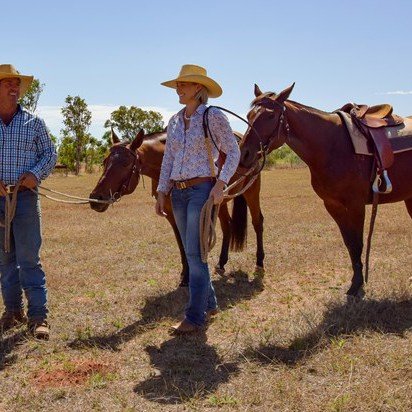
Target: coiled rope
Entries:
(11, 204)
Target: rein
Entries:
(210, 211)
(207, 131)
(79, 200)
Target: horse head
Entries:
(267, 120)
(121, 172)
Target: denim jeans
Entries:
(20, 269)
(187, 205)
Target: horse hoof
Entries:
(356, 294)
(259, 272)
(219, 271)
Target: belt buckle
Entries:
(10, 189)
(181, 185)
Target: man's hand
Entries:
(217, 192)
(160, 204)
(28, 180)
(3, 190)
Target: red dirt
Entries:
(78, 374)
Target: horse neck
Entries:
(151, 156)
(311, 132)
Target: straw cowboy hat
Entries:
(8, 71)
(195, 74)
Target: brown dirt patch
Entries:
(74, 373)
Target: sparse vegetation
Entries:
(287, 342)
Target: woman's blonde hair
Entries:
(203, 95)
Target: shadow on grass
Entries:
(340, 320)
(6, 347)
(185, 368)
(229, 290)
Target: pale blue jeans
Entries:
(187, 205)
(20, 269)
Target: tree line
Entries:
(76, 146)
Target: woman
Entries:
(186, 172)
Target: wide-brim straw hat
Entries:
(8, 71)
(195, 74)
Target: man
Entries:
(27, 156)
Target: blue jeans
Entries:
(20, 269)
(187, 205)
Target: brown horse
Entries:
(341, 178)
(123, 167)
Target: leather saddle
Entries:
(372, 121)
(376, 116)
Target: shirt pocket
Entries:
(26, 139)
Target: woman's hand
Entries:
(217, 192)
(160, 204)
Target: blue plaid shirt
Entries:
(25, 146)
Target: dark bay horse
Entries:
(341, 178)
(143, 156)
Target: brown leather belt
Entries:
(184, 184)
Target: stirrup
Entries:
(378, 181)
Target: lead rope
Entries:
(79, 200)
(210, 211)
(208, 215)
(9, 212)
(11, 204)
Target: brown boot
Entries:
(185, 327)
(10, 319)
(39, 328)
(210, 314)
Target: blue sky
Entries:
(114, 53)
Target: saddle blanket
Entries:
(399, 136)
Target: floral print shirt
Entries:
(186, 153)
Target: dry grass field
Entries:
(289, 342)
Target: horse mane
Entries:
(156, 136)
(150, 138)
(308, 108)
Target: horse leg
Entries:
(184, 275)
(408, 204)
(351, 221)
(252, 196)
(225, 223)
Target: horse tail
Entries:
(239, 224)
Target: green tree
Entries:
(129, 121)
(31, 97)
(95, 153)
(283, 156)
(67, 153)
(77, 119)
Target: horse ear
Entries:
(258, 92)
(115, 139)
(284, 95)
(138, 140)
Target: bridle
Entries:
(283, 124)
(133, 179)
